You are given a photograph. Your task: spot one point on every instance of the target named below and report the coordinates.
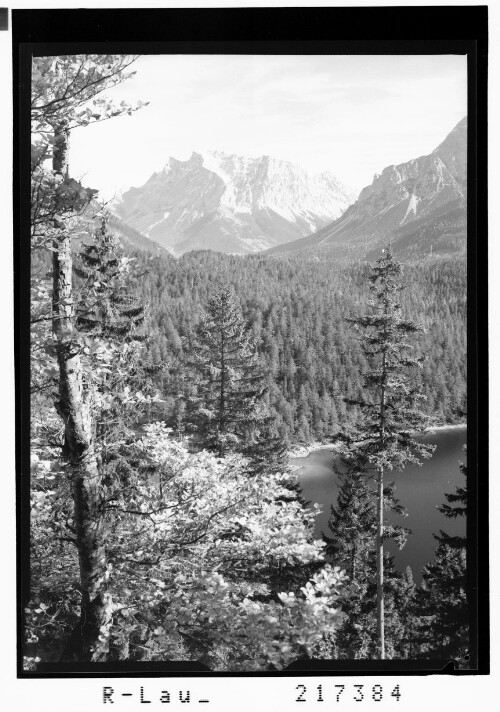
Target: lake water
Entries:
(419, 489)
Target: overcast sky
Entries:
(351, 115)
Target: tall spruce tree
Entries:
(112, 318)
(229, 381)
(404, 592)
(384, 438)
(106, 309)
(352, 528)
(443, 595)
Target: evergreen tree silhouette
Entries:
(389, 407)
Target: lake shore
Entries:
(304, 450)
(454, 426)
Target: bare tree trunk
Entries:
(380, 563)
(88, 641)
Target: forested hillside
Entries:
(296, 310)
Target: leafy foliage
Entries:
(66, 93)
(190, 542)
(67, 88)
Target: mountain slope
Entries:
(402, 204)
(132, 238)
(86, 223)
(231, 204)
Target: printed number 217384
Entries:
(337, 693)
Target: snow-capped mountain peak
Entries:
(232, 203)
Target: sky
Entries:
(351, 115)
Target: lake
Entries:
(419, 489)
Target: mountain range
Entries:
(419, 206)
(238, 205)
(231, 203)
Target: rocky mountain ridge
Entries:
(403, 200)
(231, 203)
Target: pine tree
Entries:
(352, 528)
(267, 451)
(400, 594)
(384, 438)
(229, 381)
(231, 410)
(350, 544)
(106, 307)
(110, 316)
(443, 597)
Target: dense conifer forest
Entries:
(296, 311)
